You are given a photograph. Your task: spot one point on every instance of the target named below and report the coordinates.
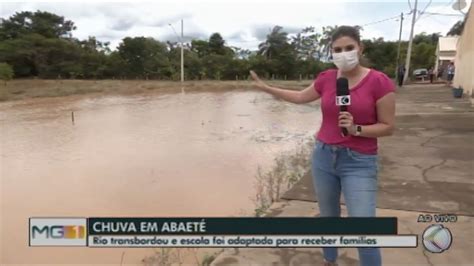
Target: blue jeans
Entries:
(337, 169)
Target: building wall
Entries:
(464, 62)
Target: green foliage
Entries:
(307, 43)
(276, 42)
(43, 23)
(217, 45)
(423, 55)
(457, 28)
(6, 72)
(381, 54)
(144, 57)
(39, 44)
(287, 170)
(426, 38)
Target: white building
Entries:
(464, 62)
(445, 52)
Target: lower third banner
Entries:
(253, 241)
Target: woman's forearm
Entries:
(377, 130)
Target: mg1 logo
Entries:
(58, 232)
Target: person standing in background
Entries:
(431, 74)
(451, 69)
(401, 75)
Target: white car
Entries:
(420, 73)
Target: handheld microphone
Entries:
(343, 98)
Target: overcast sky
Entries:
(242, 23)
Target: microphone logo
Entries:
(343, 100)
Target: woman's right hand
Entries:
(257, 81)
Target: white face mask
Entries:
(346, 61)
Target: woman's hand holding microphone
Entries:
(346, 120)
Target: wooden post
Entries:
(72, 117)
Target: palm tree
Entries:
(325, 41)
(276, 39)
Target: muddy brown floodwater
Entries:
(193, 154)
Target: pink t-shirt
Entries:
(364, 96)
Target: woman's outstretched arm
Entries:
(305, 96)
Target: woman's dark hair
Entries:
(346, 31)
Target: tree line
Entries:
(40, 44)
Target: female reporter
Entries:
(347, 164)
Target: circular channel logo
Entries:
(437, 238)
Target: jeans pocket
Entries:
(361, 156)
(318, 145)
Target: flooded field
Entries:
(192, 154)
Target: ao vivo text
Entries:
(437, 218)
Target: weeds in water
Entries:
(162, 256)
(287, 171)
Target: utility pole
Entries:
(399, 43)
(182, 55)
(407, 64)
(182, 52)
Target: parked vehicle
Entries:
(421, 73)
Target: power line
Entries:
(440, 14)
(366, 24)
(383, 20)
(427, 5)
(450, 3)
(423, 11)
(444, 14)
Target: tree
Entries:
(306, 43)
(240, 53)
(40, 44)
(427, 38)
(381, 55)
(6, 72)
(43, 23)
(144, 57)
(326, 39)
(457, 28)
(216, 44)
(200, 47)
(20, 54)
(276, 39)
(423, 55)
(115, 66)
